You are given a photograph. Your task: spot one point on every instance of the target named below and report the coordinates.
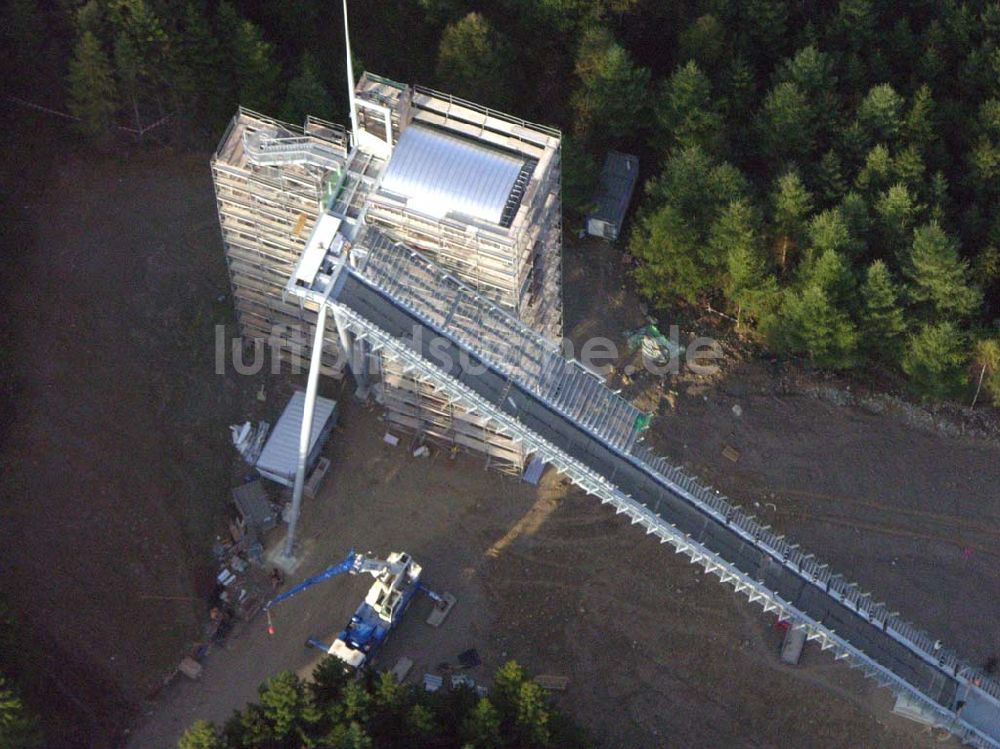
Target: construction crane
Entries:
(397, 580)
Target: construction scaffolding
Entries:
(272, 182)
(473, 189)
(415, 405)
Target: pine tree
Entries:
(506, 685)
(792, 204)
(908, 168)
(812, 72)
(876, 175)
(93, 96)
(329, 679)
(704, 42)
(420, 723)
(747, 282)
(580, 173)
(939, 277)
(738, 90)
(697, 186)
(815, 319)
(201, 735)
(356, 702)
(786, 124)
(987, 361)
(201, 83)
(880, 113)
(766, 23)
(474, 61)
(855, 211)
(668, 248)
(920, 127)
(612, 92)
(18, 727)
(532, 715)
(282, 699)
(830, 183)
(812, 324)
(307, 94)
(141, 55)
(882, 320)
(934, 361)
(828, 231)
(482, 726)
(897, 211)
(356, 738)
(686, 112)
(22, 32)
(257, 72)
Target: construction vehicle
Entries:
(397, 580)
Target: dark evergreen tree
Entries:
(93, 96)
(612, 92)
(475, 61)
(306, 93)
(939, 277)
(882, 320)
(257, 71)
(935, 361)
(792, 204)
(686, 112)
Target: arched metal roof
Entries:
(439, 173)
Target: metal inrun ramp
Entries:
(412, 311)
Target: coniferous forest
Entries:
(826, 173)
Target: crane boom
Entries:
(348, 565)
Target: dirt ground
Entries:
(115, 459)
(117, 466)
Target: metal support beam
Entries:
(350, 78)
(305, 433)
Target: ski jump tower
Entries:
(475, 190)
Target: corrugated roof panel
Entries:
(614, 193)
(280, 456)
(440, 174)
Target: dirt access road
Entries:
(117, 466)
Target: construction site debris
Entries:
(469, 658)
(190, 668)
(315, 480)
(655, 347)
(254, 506)
(249, 439)
(440, 612)
(791, 646)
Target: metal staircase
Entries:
(274, 149)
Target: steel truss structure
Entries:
(377, 286)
